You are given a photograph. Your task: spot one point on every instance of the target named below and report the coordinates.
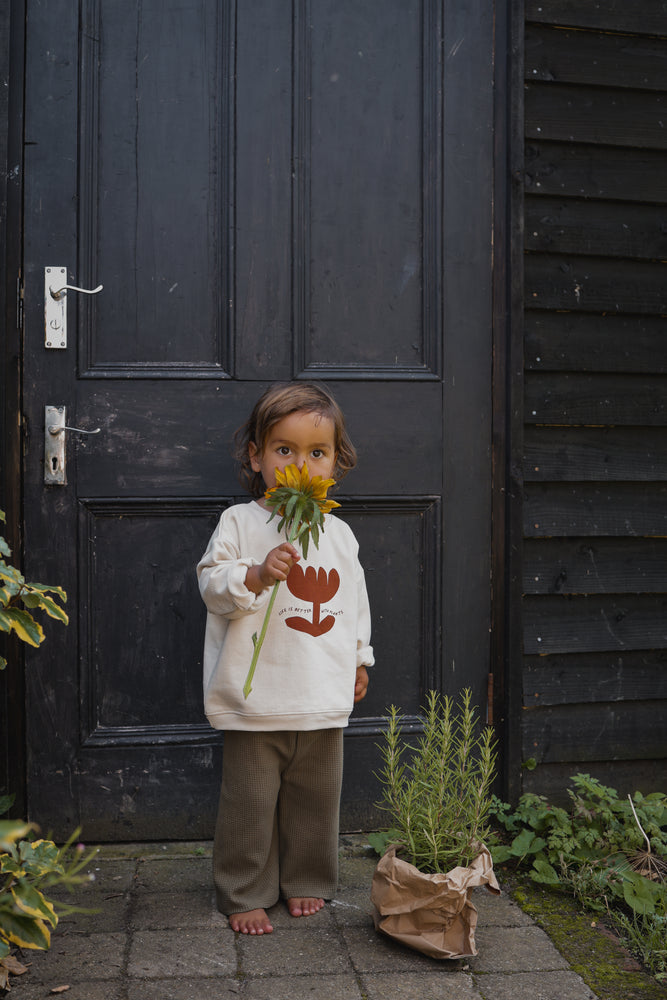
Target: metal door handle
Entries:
(55, 306)
(54, 444)
(57, 295)
(57, 429)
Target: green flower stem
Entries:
(258, 641)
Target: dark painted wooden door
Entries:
(266, 190)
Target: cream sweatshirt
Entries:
(318, 633)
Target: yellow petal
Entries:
(281, 478)
(293, 477)
(305, 478)
(320, 486)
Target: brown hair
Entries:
(277, 402)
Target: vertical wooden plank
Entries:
(263, 191)
(507, 393)
(50, 238)
(467, 358)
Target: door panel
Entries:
(266, 191)
(155, 174)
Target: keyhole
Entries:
(54, 464)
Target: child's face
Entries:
(297, 438)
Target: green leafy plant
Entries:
(610, 852)
(15, 591)
(436, 786)
(28, 864)
(28, 867)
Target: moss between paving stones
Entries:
(593, 952)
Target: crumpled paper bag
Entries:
(430, 912)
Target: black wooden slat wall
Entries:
(594, 609)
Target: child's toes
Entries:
(251, 922)
(304, 906)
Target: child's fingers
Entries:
(290, 550)
(360, 684)
(280, 561)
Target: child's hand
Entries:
(360, 684)
(275, 567)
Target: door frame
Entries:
(507, 338)
(12, 687)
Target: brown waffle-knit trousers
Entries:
(277, 828)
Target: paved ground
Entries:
(158, 936)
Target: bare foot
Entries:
(251, 922)
(304, 906)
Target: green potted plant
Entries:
(29, 865)
(436, 788)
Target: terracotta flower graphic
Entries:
(301, 503)
(315, 587)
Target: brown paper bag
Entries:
(431, 913)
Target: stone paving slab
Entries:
(440, 985)
(162, 910)
(24, 988)
(197, 952)
(373, 952)
(103, 914)
(498, 910)
(315, 952)
(514, 949)
(343, 987)
(174, 875)
(180, 989)
(74, 958)
(560, 985)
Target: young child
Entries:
(277, 827)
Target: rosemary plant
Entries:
(438, 793)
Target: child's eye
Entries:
(317, 453)
(283, 450)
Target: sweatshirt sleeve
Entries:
(221, 573)
(365, 655)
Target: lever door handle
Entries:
(55, 306)
(54, 444)
(58, 294)
(58, 429)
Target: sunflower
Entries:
(301, 503)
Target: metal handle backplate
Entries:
(55, 306)
(54, 444)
